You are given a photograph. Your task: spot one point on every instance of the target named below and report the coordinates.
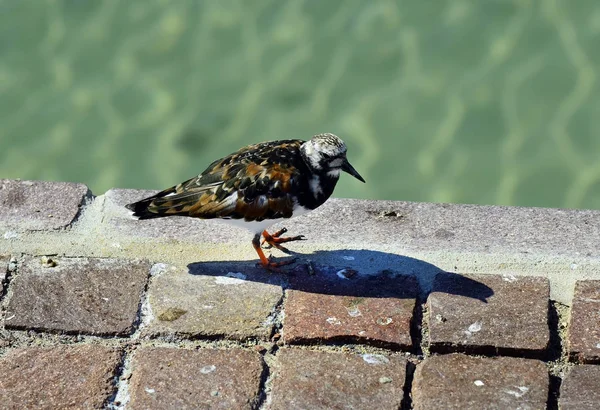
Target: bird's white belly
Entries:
(259, 226)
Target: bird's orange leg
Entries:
(276, 240)
(264, 261)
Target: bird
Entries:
(257, 186)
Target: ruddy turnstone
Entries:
(258, 186)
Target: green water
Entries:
(489, 102)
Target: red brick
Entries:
(328, 307)
(190, 379)
(37, 205)
(514, 319)
(457, 381)
(305, 379)
(580, 389)
(78, 295)
(60, 377)
(211, 300)
(584, 330)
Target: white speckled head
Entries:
(327, 153)
(322, 148)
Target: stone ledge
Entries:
(368, 236)
(38, 205)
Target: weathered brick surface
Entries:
(208, 301)
(514, 318)
(580, 389)
(305, 379)
(60, 377)
(584, 330)
(37, 205)
(190, 379)
(457, 381)
(78, 295)
(341, 305)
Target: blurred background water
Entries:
(488, 102)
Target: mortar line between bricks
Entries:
(406, 403)
(11, 271)
(266, 381)
(86, 201)
(144, 311)
(558, 361)
(121, 395)
(424, 344)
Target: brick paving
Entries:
(305, 379)
(191, 379)
(119, 332)
(458, 381)
(77, 295)
(233, 305)
(580, 389)
(334, 307)
(59, 377)
(514, 319)
(584, 329)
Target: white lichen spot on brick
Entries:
(384, 321)
(509, 277)
(371, 358)
(208, 369)
(473, 328)
(478, 383)
(353, 311)
(10, 235)
(158, 269)
(333, 321)
(522, 390)
(232, 278)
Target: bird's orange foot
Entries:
(268, 263)
(274, 266)
(276, 240)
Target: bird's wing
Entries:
(254, 183)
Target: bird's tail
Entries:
(146, 209)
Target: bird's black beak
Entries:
(346, 167)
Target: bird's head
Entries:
(326, 153)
